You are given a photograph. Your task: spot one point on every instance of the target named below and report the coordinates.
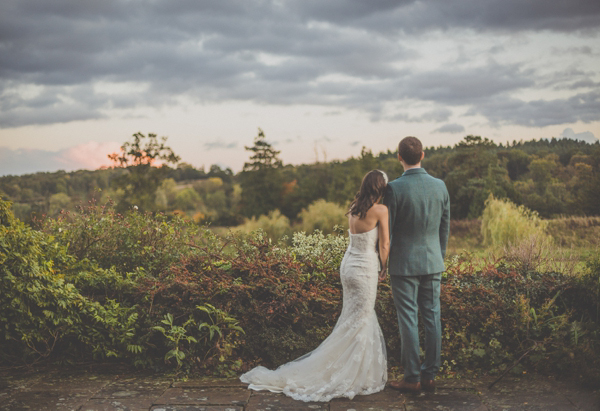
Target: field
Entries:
(574, 239)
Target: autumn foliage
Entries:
(134, 287)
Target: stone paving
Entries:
(117, 390)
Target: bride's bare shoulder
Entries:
(379, 209)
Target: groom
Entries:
(419, 215)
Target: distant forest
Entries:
(552, 177)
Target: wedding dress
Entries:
(352, 360)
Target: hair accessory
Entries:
(385, 177)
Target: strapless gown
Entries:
(352, 360)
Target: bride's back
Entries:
(362, 225)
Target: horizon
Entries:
(204, 167)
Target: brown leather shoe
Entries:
(428, 385)
(406, 386)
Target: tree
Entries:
(145, 159)
(264, 157)
(261, 179)
(476, 141)
(469, 168)
(516, 162)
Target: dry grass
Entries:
(539, 253)
(465, 235)
(462, 228)
(577, 232)
(575, 239)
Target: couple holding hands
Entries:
(407, 236)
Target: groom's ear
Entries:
(422, 155)
(399, 158)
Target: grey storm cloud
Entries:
(419, 16)
(583, 107)
(464, 85)
(436, 115)
(220, 145)
(450, 128)
(55, 55)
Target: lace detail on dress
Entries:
(352, 359)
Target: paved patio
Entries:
(110, 389)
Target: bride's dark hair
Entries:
(371, 190)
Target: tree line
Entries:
(550, 176)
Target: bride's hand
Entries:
(382, 274)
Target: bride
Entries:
(352, 360)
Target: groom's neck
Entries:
(407, 167)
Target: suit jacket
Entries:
(419, 212)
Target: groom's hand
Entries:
(382, 275)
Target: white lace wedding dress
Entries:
(352, 360)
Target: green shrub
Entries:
(283, 310)
(41, 311)
(324, 216)
(223, 305)
(320, 254)
(22, 211)
(128, 242)
(58, 202)
(590, 281)
(275, 225)
(187, 199)
(212, 335)
(59, 305)
(505, 224)
(491, 316)
(37, 307)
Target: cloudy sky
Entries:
(322, 78)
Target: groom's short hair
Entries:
(410, 149)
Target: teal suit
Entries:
(419, 217)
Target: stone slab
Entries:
(524, 383)
(455, 384)
(44, 401)
(149, 380)
(81, 390)
(113, 404)
(445, 400)
(533, 392)
(268, 401)
(388, 400)
(532, 407)
(529, 401)
(366, 406)
(114, 370)
(205, 396)
(7, 392)
(11, 384)
(128, 388)
(209, 382)
(80, 383)
(587, 400)
(196, 408)
(387, 395)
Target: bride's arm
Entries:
(384, 240)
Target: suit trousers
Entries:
(411, 294)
